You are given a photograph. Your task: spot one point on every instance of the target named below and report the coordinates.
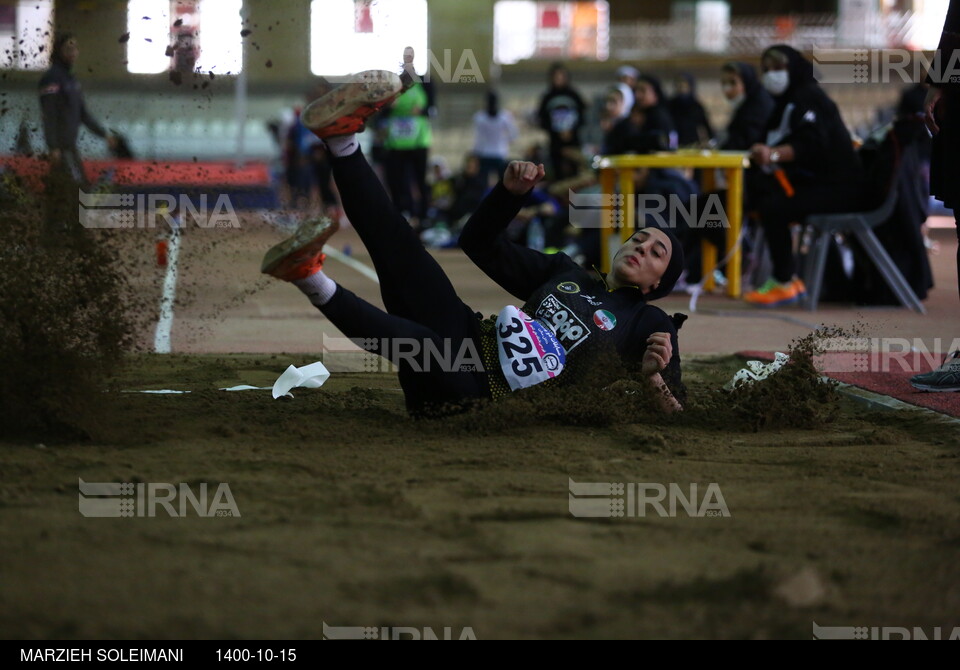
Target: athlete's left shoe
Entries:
(301, 255)
(944, 378)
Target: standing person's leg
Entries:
(418, 160)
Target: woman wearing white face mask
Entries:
(807, 166)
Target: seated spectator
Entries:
(649, 127)
(626, 80)
(808, 166)
(469, 187)
(897, 154)
(689, 116)
(442, 193)
(752, 106)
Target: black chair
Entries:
(860, 224)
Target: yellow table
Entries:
(614, 169)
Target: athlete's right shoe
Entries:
(300, 255)
(944, 378)
(775, 294)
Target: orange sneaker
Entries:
(301, 255)
(774, 294)
(801, 288)
(346, 108)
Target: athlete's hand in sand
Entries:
(521, 176)
(658, 354)
(929, 106)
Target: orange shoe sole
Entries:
(345, 109)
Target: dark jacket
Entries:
(944, 165)
(655, 134)
(63, 108)
(748, 125)
(808, 120)
(689, 116)
(564, 296)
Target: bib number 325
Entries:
(529, 352)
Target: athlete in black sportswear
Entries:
(577, 313)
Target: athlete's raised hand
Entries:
(521, 176)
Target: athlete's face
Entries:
(642, 260)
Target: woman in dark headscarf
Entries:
(648, 127)
(808, 166)
(751, 105)
(688, 114)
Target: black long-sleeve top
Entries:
(555, 289)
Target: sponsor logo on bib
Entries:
(570, 330)
(605, 319)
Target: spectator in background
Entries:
(322, 178)
(751, 105)
(63, 109)
(648, 127)
(468, 187)
(626, 80)
(613, 113)
(296, 163)
(494, 131)
(688, 114)
(561, 114)
(407, 145)
(942, 113)
(808, 166)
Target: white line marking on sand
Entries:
(161, 339)
(349, 261)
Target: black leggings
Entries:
(422, 305)
(777, 211)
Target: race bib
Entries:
(402, 128)
(529, 352)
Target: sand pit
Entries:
(351, 514)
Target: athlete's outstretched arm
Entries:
(517, 269)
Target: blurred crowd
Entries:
(803, 159)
